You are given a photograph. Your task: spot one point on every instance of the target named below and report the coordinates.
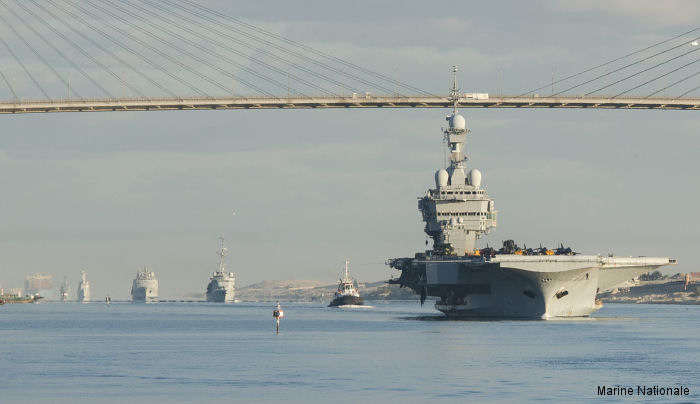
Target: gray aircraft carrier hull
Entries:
(515, 286)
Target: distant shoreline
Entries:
(663, 291)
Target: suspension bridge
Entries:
(344, 102)
(127, 55)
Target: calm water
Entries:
(390, 352)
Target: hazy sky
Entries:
(109, 193)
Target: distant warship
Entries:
(347, 293)
(222, 285)
(510, 282)
(145, 287)
(64, 290)
(83, 288)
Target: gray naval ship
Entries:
(64, 290)
(222, 284)
(83, 288)
(511, 282)
(145, 287)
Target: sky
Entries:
(297, 192)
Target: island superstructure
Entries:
(145, 286)
(222, 284)
(83, 288)
(510, 282)
(347, 294)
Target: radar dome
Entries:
(457, 121)
(441, 178)
(475, 178)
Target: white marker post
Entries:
(278, 313)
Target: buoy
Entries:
(278, 313)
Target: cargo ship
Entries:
(19, 299)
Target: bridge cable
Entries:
(222, 57)
(133, 52)
(180, 50)
(234, 39)
(622, 68)
(158, 51)
(687, 92)
(14, 95)
(642, 71)
(111, 54)
(155, 50)
(57, 50)
(36, 53)
(659, 77)
(268, 43)
(609, 62)
(25, 69)
(74, 45)
(238, 41)
(207, 50)
(300, 46)
(673, 84)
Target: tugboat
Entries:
(347, 294)
(222, 285)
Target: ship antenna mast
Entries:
(454, 92)
(222, 254)
(347, 274)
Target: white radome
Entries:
(475, 178)
(457, 121)
(441, 177)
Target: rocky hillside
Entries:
(310, 291)
(670, 291)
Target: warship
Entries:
(347, 293)
(64, 290)
(222, 285)
(511, 282)
(83, 288)
(145, 287)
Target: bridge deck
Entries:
(364, 101)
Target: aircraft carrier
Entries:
(509, 282)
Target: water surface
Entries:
(389, 352)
